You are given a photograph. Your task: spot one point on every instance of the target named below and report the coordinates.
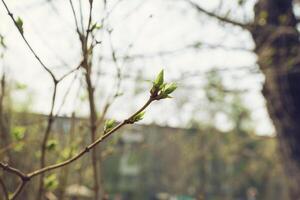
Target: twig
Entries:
(221, 18)
(27, 43)
(68, 73)
(27, 177)
(19, 189)
(74, 16)
(4, 189)
(45, 140)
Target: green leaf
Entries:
(51, 182)
(19, 147)
(139, 116)
(109, 124)
(18, 133)
(20, 86)
(2, 43)
(159, 79)
(66, 153)
(169, 88)
(96, 26)
(19, 23)
(51, 145)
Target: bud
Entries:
(19, 23)
(169, 88)
(109, 124)
(138, 117)
(159, 79)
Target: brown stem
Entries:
(65, 172)
(4, 189)
(27, 43)
(220, 18)
(93, 128)
(27, 177)
(18, 190)
(44, 143)
(4, 133)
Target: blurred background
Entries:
(213, 140)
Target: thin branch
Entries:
(45, 140)
(66, 95)
(19, 189)
(74, 16)
(68, 73)
(88, 29)
(221, 18)
(193, 46)
(27, 43)
(81, 16)
(4, 189)
(92, 145)
(14, 171)
(26, 177)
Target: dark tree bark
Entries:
(278, 51)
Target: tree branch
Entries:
(4, 189)
(27, 43)
(220, 18)
(27, 177)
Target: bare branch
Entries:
(19, 189)
(221, 18)
(14, 171)
(27, 43)
(75, 17)
(26, 177)
(4, 189)
(45, 140)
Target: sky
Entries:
(139, 27)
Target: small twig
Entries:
(223, 19)
(66, 95)
(12, 170)
(19, 189)
(81, 16)
(68, 73)
(27, 43)
(26, 177)
(45, 140)
(4, 189)
(74, 15)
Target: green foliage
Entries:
(51, 144)
(18, 133)
(159, 79)
(20, 86)
(96, 26)
(66, 153)
(51, 182)
(168, 89)
(160, 89)
(19, 23)
(138, 117)
(109, 125)
(2, 43)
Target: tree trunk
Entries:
(278, 50)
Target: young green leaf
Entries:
(159, 79)
(19, 23)
(51, 145)
(51, 182)
(109, 124)
(18, 133)
(96, 26)
(169, 88)
(139, 116)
